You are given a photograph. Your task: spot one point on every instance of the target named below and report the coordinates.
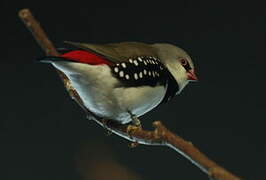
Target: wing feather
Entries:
(118, 52)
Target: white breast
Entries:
(100, 94)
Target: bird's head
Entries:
(178, 62)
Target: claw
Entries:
(132, 128)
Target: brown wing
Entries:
(118, 52)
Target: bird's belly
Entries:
(139, 100)
(120, 102)
(100, 94)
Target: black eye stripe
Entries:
(187, 67)
(185, 63)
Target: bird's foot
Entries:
(134, 125)
(131, 129)
(135, 121)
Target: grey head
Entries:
(178, 62)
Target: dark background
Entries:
(43, 132)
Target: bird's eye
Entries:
(183, 62)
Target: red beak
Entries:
(191, 75)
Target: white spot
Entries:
(139, 58)
(127, 76)
(145, 62)
(153, 73)
(157, 74)
(116, 69)
(136, 63)
(140, 75)
(136, 76)
(149, 73)
(161, 67)
(124, 65)
(117, 64)
(144, 72)
(130, 60)
(121, 73)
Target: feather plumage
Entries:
(118, 52)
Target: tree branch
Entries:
(160, 136)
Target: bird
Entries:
(123, 81)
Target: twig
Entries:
(161, 136)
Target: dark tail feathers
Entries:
(50, 59)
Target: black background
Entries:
(42, 129)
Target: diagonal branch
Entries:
(160, 136)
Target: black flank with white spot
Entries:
(145, 71)
(140, 71)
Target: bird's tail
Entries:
(51, 59)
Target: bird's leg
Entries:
(134, 126)
(135, 120)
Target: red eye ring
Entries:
(183, 62)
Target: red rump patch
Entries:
(85, 57)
